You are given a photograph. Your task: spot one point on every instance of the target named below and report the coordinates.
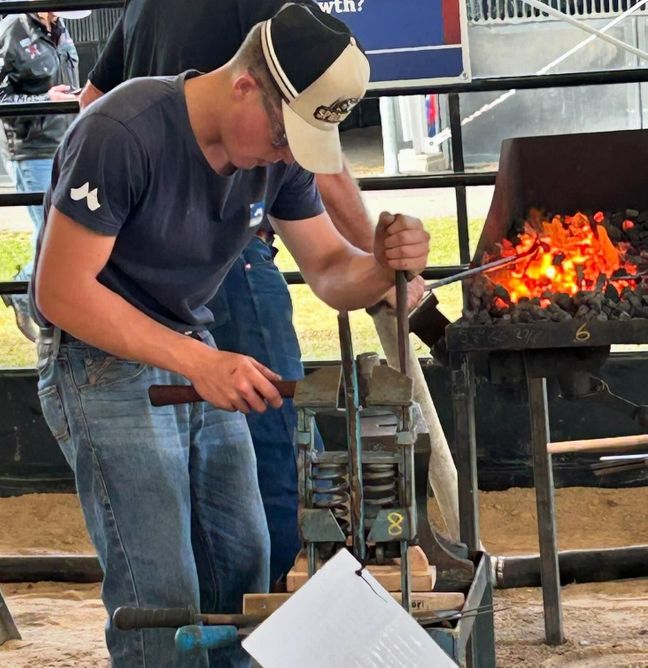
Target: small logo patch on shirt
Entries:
(83, 192)
(256, 213)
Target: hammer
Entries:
(170, 395)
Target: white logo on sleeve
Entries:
(91, 196)
(257, 210)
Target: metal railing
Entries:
(458, 179)
(495, 12)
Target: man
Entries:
(156, 189)
(38, 62)
(253, 308)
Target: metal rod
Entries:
(544, 491)
(463, 406)
(528, 82)
(402, 322)
(581, 25)
(352, 402)
(371, 183)
(458, 166)
(26, 6)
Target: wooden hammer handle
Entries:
(594, 444)
(171, 395)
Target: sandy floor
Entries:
(606, 623)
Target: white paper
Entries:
(344, 620)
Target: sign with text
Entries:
(408, 42)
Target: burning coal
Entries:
(571, 266)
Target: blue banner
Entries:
(408, 42)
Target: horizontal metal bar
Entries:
(427, 181)
(368, 184)
(533, 81)
(486, 84)
(292, 278)
(429, 274)
(21, 199)
(38, 108)
(13, 287)
(24, 6)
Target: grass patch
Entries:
(15, 349)
(315, 322)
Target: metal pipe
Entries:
(531, 81)
(576, 566)
(352, 402)
(26, 6)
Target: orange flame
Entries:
(573, 251)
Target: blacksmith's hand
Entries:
(415, 292)
(236, 383)
(401, 243)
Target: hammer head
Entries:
(427, 322)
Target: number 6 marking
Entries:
(582, 334)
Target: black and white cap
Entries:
(321, 73)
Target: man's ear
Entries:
(244, 85)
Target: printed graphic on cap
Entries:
(336, 112)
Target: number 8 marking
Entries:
(395, 524)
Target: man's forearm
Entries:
(343, 202)
(352, 281)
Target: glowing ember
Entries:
(572, 253)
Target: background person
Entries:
(38, 62)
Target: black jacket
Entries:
(31, 62)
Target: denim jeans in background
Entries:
(170, 497)
(31, 176)
(253, 316)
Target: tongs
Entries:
(489, 266)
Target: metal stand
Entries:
(8, 628)
(463, 389)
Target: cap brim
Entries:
(318, 151)
(79, 14)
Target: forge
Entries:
(575, 209)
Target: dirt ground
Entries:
(606, 623)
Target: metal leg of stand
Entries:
(480, 649)
(8, 628)
(463, 394)
(544, 491)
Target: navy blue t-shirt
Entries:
(130, 167)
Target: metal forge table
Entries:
(532, 352)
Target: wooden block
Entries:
(430, 601)
(388, 576)
(423, 576)
(263, 604)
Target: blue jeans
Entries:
(253, 316)
(31, 176)
(170, 497)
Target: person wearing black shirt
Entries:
(38, 63)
